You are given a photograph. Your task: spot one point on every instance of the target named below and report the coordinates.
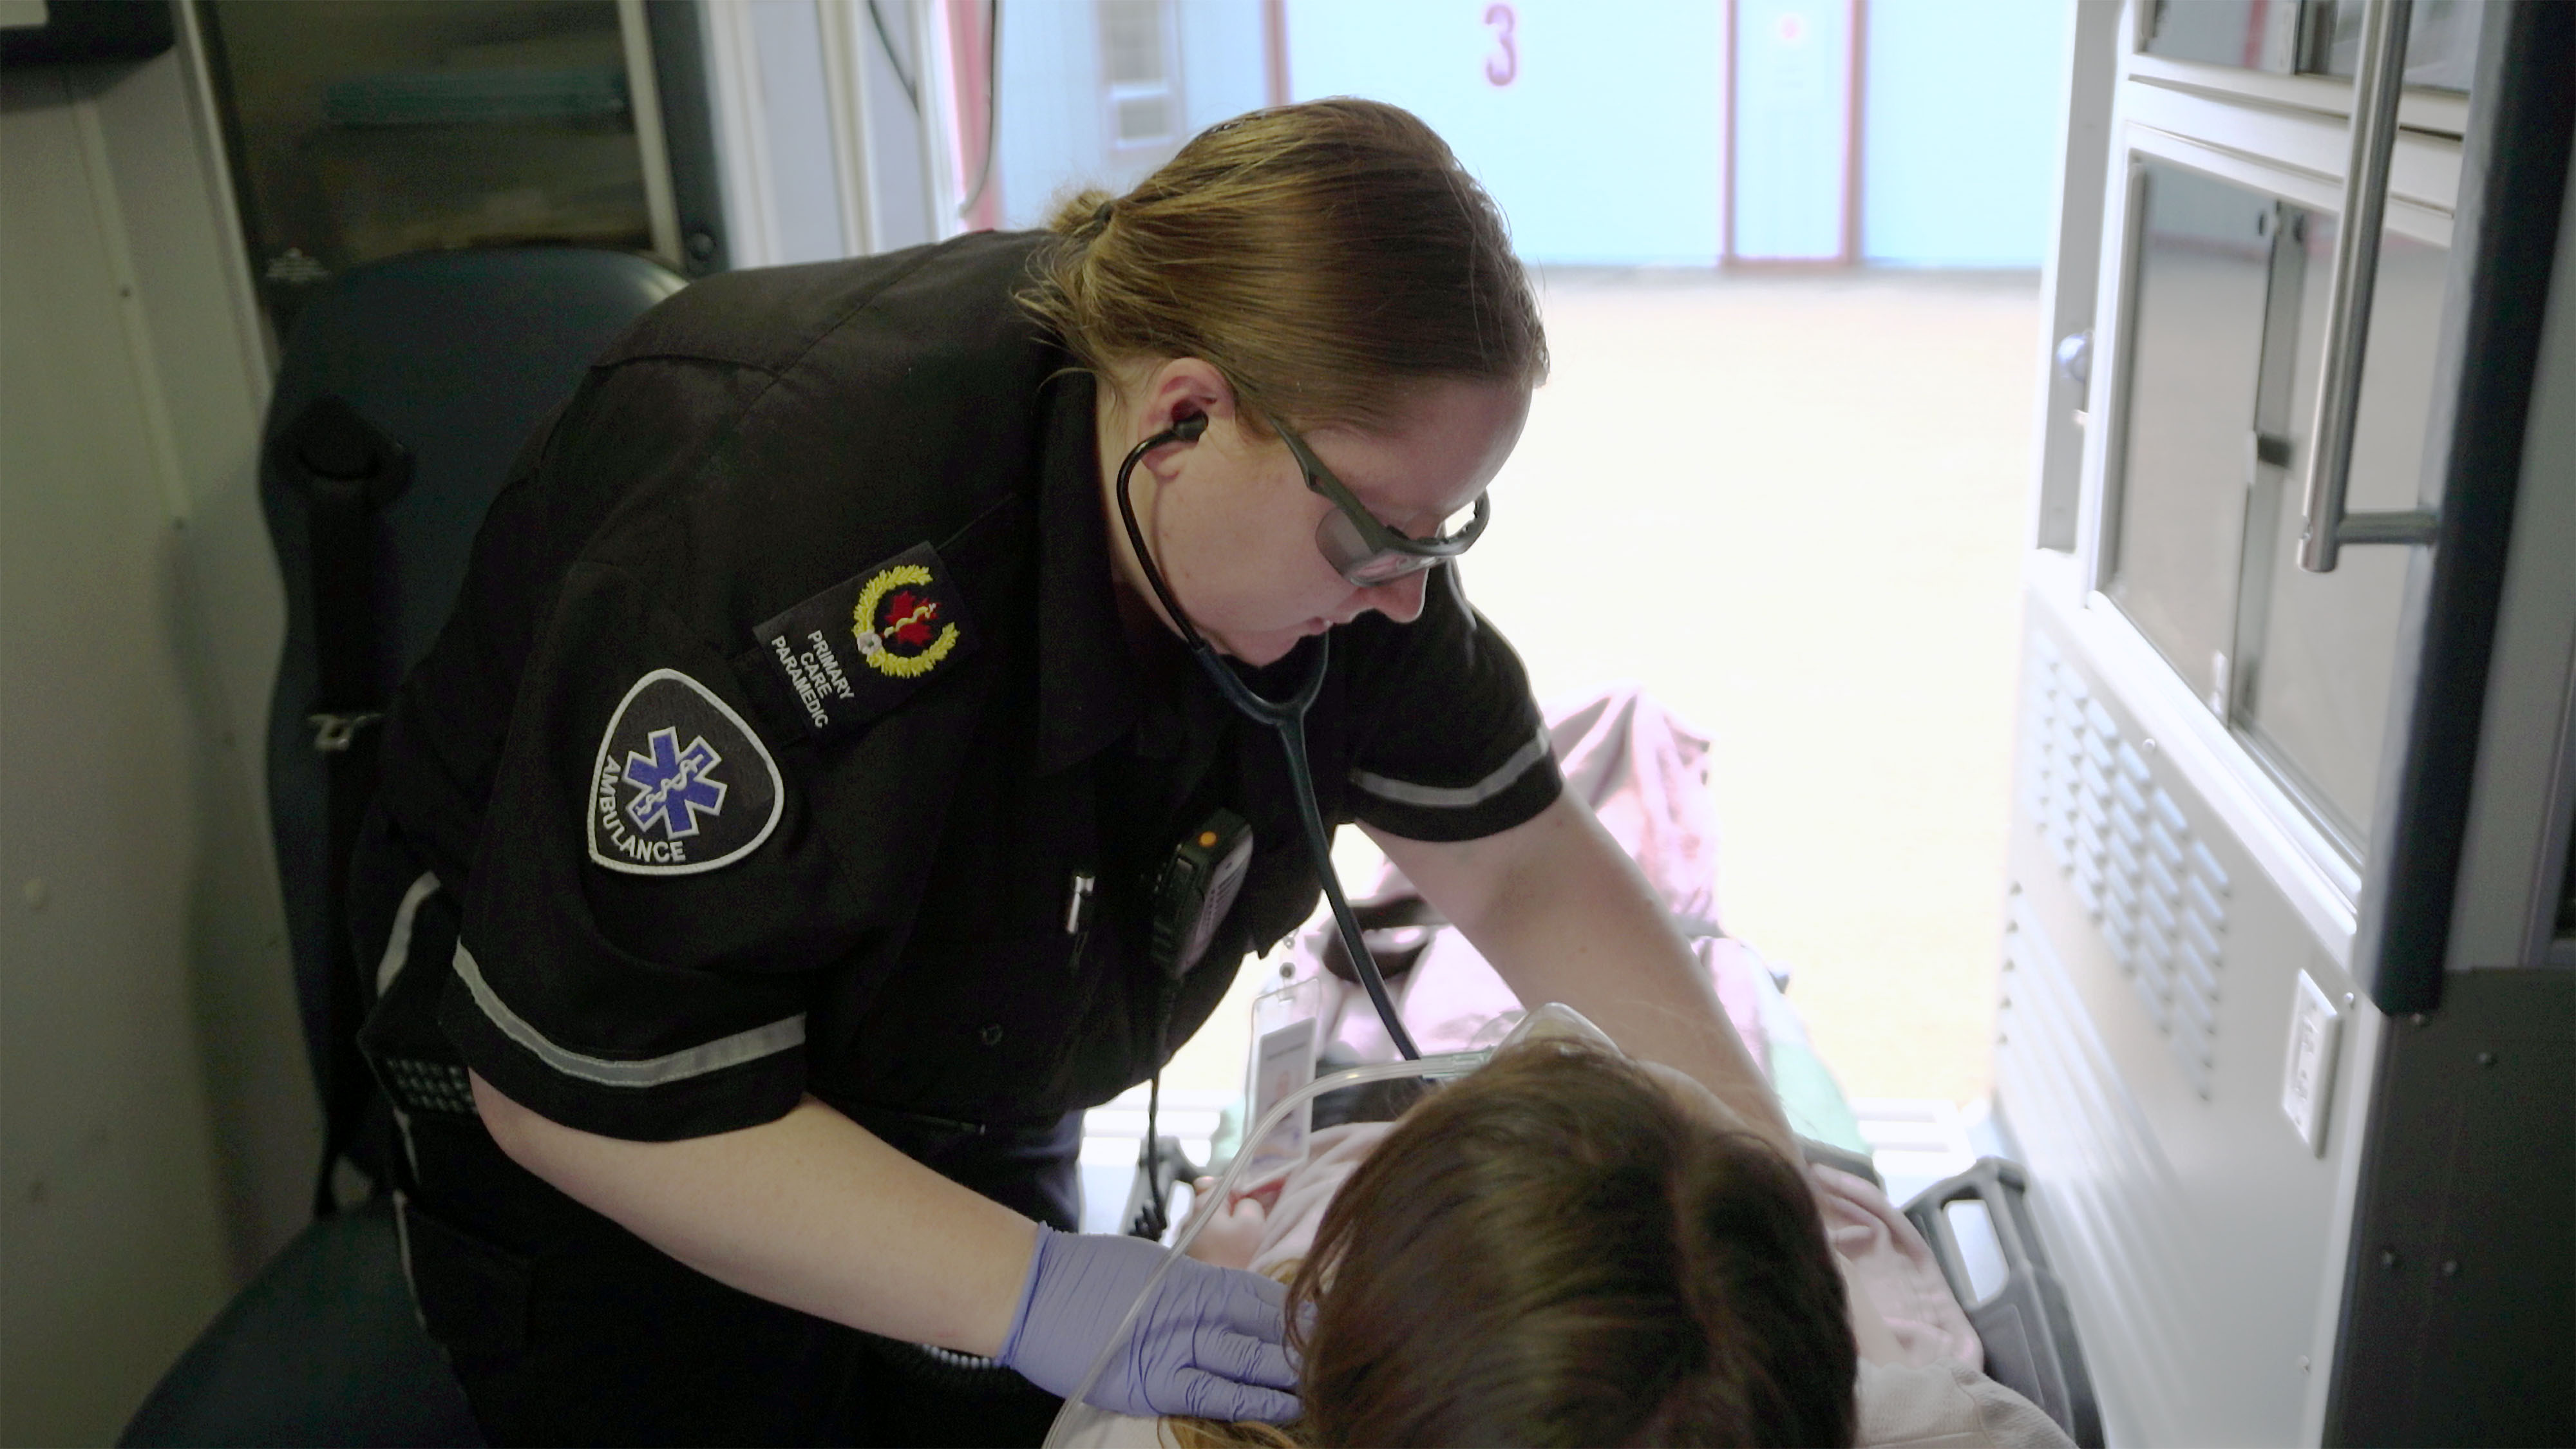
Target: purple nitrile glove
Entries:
(1211, 1343)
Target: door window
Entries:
(2195, 356)
(2320, 650)
(2441, 40)
(2254, 34)
(2317, 37)
(2226, 337)
(361, 131)
(1136, 61)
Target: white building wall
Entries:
(1605, 145)
(1602, 146)
(1959, 131)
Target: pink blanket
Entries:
(1645, 774)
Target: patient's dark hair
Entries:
(1556, 1251)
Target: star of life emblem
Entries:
(658, 806)
(673, 785)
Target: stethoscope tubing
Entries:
(1286, 718)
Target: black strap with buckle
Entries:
(348, 469)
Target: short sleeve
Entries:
(649, 903)
(1447, 743)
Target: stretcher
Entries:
(1644, 773)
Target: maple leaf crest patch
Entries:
(898, 629)
(862, 646)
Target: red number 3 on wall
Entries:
(1502, 67)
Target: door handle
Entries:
(2074, 357)
(2378, 82)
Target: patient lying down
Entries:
(1570, 1248)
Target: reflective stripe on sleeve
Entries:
(696, 1061)
(398, 941)
(1458, 797)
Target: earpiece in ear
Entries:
(1188, 429)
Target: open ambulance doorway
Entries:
(1789, 257)
(2281, 747)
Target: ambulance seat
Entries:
(412, 382)
(321, 1348)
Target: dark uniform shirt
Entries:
(787, 696)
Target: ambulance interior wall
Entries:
(157, 1121)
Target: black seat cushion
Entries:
(322, 1348)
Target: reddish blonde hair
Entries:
(1327, 258)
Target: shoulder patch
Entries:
(681, 784)
(862, 646)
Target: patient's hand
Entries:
(1233, 1231)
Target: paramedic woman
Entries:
(768, 850)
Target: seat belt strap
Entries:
(348, 470)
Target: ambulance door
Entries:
(2274, 525)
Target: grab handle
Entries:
(2026, 1326)
(2380, 80)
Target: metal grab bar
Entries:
(2377, 85)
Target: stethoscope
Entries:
(1286, 717)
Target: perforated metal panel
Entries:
(2111, 1202)
(2190, 1213)
(2156, 894)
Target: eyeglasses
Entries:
(1363, 550)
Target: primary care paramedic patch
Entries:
(862, 646)
(681, 784)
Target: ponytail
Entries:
(1328, 258)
